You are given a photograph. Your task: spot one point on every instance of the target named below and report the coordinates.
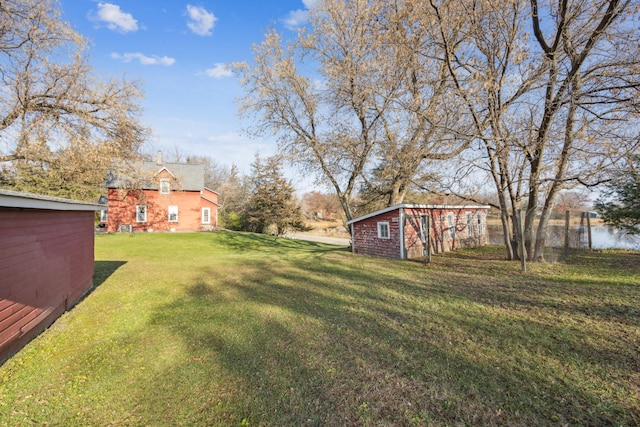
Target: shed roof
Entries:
(15, 199)
(410, 206)
(190, 177)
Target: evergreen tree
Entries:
(619, 205)
(233, 199)
(271, 203)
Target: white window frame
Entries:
(141, 213)
(480, 224)
(104, 215)
(469, 224)
(172, 210)
(423, 232)
(382, 226)
(206, 219)
(165, 186)
(451, 224)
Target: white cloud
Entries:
(295, 19)
(299, 17)
(219, 71)
(115, 18)
(144, 59)
(200, 21)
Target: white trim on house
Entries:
(481, 223)
(206, 221)
(164, 168)
(141, 210)
(401, 219)
(210, 201)
(173, 211)
(168, 185)
(409, 206)
(15, 199)
(213, 191)
(353, 243)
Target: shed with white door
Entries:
(398, 232)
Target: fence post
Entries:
(567, 218)
(523, 255)
(589, 230)
(426, 227)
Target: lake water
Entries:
(607, 237)
(602, 237)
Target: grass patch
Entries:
(232, 329)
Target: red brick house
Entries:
(157, 196)
(398, 232)
(46, 263)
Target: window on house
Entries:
(165, 186)
(469, 224)
(173, 214)
(141, 213)
(103, 215)
(451, 224)
(383, 230)
(206, 215)
(480, 227)
(424, 219)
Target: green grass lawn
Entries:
(236, 329)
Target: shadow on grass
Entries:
(248, 242)
(335, 340)
(101, 272)
(103, 269)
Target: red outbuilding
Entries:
(400, 231)
(46, 263)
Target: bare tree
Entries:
(375, 97)
(421, 123)
(573, 200)
(51, 100)
(552, 111)
(329, 129)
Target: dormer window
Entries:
(165, 186)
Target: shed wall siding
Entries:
(449, 230)
(443, 237)
(46, 265)
(365, 239)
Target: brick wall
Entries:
(122, 209)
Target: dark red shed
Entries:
(397, 232)
(46, 263)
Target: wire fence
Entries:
(578, 230)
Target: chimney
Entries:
(159, 158)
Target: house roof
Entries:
(189, 177)
(15, 199)
(409, 206)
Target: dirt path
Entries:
(321, 239)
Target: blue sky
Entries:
(179, 50)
